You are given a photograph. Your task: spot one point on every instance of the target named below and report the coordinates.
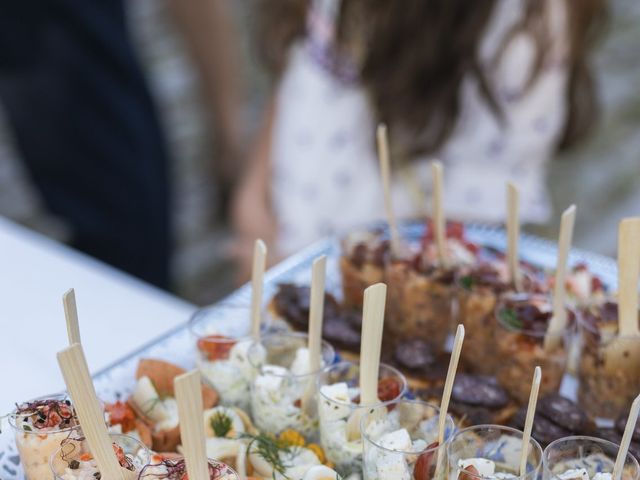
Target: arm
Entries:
(208, 29)
(251, 211)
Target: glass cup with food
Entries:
(401, 441)
(421, 289)
(223, 338)
(479, 288)
(73, 459)
(491, 452)
(585, 458)
(609, 365)
(40, 426)
(523, 321)
(162, 468)
(283, 390)
(338, 399)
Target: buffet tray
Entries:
(177, 346)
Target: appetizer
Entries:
(401, 441)
(584, 287)
(338, 398)
(154, 403)
(480, 286)
(283, 381)
(523, 321)
(121, 418)
(74, 461)
(421, 289)
(606, 386)
(225, 429)
(491, 452)
(176, 469)
(40, 426)
(362, 264)
(556, 417)
(585, 458)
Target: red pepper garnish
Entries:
(216, 347)
(424, 468)
(122, 414)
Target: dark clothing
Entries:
(86, 127)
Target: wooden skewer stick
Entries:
(78, 380)
(257, 283)
(628, 273)
(528, 424)
(513, 234)
(385, 172)
(626, 439)
(71, 316)
(375, 298)
(438, 220)
(188, 392)
(559, 319)
(448, 388)
(316, 310)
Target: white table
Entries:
(117, 312)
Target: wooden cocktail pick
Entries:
(316, 310)
(257, 283)
(385, 172)
(71, 316)
(78, 380)
(626, 439)
(438, 218)
(375, 298)
(188, 392)
(448, 388)
(559, 319)
(528, 423)
(513, 234)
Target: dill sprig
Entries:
(269, 448)
(509, 317)
(221, 424)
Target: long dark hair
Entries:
(417, 52)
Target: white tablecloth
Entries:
(117, 312)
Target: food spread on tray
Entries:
(268, 413)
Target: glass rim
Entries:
(533, 333)
(210, 461)
(13, 416)
(325, 346)
(112, 436)
(587, 438)
(396, 372)
(489, 426)
(448, 419)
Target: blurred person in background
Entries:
(491, 87)
(88, 130)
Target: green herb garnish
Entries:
(467, 282)
(269, 449)
(509, 317)
(221, 424)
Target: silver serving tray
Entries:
(177, 346)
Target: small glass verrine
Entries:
(160, 468)
(222, 339)
(522, 322)
(282, 382)
(594, 455)
(40, 426)
(74, 461)
(491, 451)
(401, 441)
(338, 399)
